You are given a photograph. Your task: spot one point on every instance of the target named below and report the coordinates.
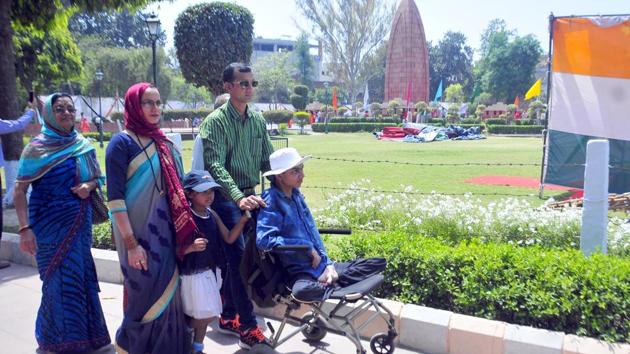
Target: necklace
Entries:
(155, 181)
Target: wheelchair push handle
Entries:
(335, 231)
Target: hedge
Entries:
(515, 129)
(278, 116)
(174, 114)
(349, 127)
(496, 121)
(96, 136)
(559, 290)
(392, 120)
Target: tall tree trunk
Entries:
(11, 143)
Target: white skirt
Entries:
(200, 294)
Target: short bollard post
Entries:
(593, 237)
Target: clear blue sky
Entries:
(277, 18)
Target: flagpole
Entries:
(543, 164)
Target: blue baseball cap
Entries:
(199, 181)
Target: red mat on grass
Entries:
(526, 182)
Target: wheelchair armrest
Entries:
(304, 248)
(335, 231)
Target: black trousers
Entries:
(307, 288)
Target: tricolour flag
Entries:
(589, 98)
(535, 90)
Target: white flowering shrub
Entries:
(455, 219)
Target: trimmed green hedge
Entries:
(278, 116)
(496, 121)
(391, 120)
(515, 129)
(437, 121)
(559, 290)
(174, 114)
(350, 127)
(482, 127)
(107, 136)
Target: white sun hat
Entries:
(283, 160)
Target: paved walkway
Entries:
(19, 300)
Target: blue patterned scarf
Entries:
(53, 146)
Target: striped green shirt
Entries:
(235, 149)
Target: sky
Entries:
(278, 18)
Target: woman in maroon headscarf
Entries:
(152, 226)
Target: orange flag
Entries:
(334, 99)
(516, 102)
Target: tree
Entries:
(454, 93)
(273, 78)
(125, 29)
(507, 63)
(350, 30)
(208, 37)
(304, 62)
(43, 15)
(299, 98)
(45, 59)
(183, 91)
(450, 61)
(374, 71)
(121, 68)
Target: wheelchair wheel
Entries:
(314, 332)
(382, 343)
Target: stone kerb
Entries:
(424, 329)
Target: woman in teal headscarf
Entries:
(61, 166)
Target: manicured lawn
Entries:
(388, 176)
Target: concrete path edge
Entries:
(424, 329)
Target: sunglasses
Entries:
(151, 104)
(245, 84)
(68, 109)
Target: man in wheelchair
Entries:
(287, 221)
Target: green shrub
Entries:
(349, 127)
(173, 114)
(496, 121)
(102, 236)
(391, 120)
(515, 129)
(437, 121)
(470, 121)
(96, 136)
(278, 116)
(465, 126)
(342, 110)
(559, 290)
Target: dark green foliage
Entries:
(175, 114)
(124, 29)
(391, 120)
(304, 63)
(107, 136)
(515, 129)
(299, 98)
(278, 116)
(102, 236)
(210, 36)
(496, 121)
(350, 127)
(437, 121)
(559, 290)
(450, 60)
(470, 121)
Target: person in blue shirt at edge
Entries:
(11, 126)
(287, 220)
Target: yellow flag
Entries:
(534, 90)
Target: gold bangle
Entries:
(24, 228)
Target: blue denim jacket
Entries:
(288, 221)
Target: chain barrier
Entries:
(417, 192)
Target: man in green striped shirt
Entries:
(236, 148)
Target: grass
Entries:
(387, 176)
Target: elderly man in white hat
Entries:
(287, 221)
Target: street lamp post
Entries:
(99, 125)
(326, 117)
(153, 25)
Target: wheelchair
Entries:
(267, 286)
